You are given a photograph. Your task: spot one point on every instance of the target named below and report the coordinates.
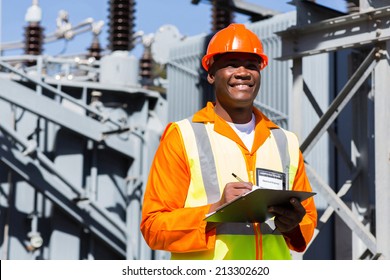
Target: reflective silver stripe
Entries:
(268, 227)
(207, 163)
(235, 228)
(244, 229)
(281, 142)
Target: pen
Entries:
(238, 178)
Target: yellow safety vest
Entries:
(212, 159)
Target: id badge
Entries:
(270, 179)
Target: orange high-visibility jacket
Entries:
(169, 224)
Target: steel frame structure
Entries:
(26, 158)
(369, 28)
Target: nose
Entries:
(242, 72)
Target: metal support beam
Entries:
(42, 174)
(381, 85)
(332, 134)
(360, 203)
(296, 100)
(243, 7)
(342, 210)
(368, 28)
(341, 100)
(367, 5)
(251, 9)
(309, 12)
(52, 111)
(349, 31)
(55, 91)
(330, 210)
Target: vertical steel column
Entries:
(382, 152)
(296, 101)
(359, 156)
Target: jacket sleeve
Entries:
(166, 224)
(309, 221)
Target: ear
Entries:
(210, 78)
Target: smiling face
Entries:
(236, 79)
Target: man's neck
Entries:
(234, 115)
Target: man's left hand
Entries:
(287, 218)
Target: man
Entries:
(191, 174)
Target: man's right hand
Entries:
(230, 192)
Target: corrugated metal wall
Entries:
(276, 77)
(185, 78)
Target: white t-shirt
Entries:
(245, 131)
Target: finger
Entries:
(239, 185)
(241, 188)
(286, 220)
(246, 185)
(235, 189)
(277, 210)
(287, 217)
(296, 203)
(298, 207)
(281, 225)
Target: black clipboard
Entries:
(253, 206)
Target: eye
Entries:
(232, 64)
(249, 65)
(253, 65)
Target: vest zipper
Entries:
(251, 179)
(256, 227)
(259, 241)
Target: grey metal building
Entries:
(74, 161)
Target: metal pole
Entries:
(382, 152)
(296, 100)
(359, 156)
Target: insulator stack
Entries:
(33, 39)
(221, 16)
(121, 25)
(95, 49)
(146, 67)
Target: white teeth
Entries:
(241, 86)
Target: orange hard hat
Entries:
(234, 38)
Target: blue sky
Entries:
(189, 19)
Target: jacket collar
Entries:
(262, 129)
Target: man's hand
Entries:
(287, 218)
(230, 192)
